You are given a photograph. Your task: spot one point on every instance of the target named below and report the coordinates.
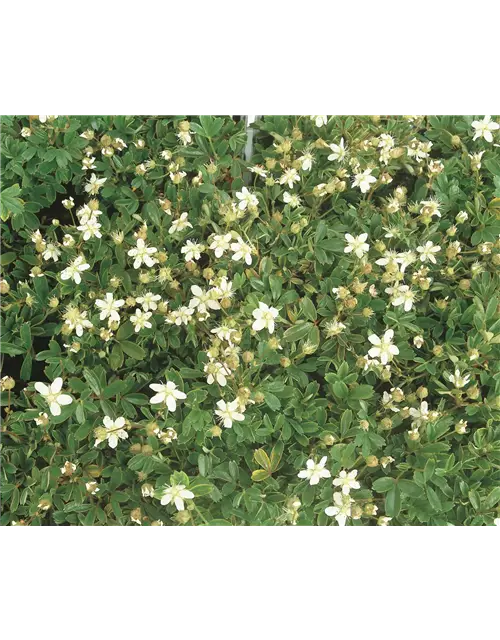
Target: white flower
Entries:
(53, 395)
(185, 137)
(461, 427)
(168, 394)
(314, 471)
(458, 380)
(403, 295)
(291, 199)
(405, 259)
(179, 316)
(338, 151)
(68, 241)
(347, 481)
(192, 250)
(386, 141)
(109, 308)
(44, 119)
(41, 419)
(290, 177)
(420, 415)
(180, 224)
(418, 341)
(216, 372)
(76, 320)
(341, 509)
(140, 320)
(246, 199)
(176, 494)
(68, 203)
(220, 244)
(461, 217)
(224, 333)
(112, 431)
(264, 317)
(259, 170)
(68, 469)
(306, 161)
(383, 521)
(496, 522)
(386, 461)
(241, 251)
(427, 252)
(142, 253)
(148, 301)
(92, 487)
(430, 207)
(319, 121)
(90, 227)
(51, 251)
(484, 128)
(74, 269)
(475, 159)
(88, 163)
(357, 244)
(334, 328)
(364, 180)
(94, 184)
(228, 412)
(383, 347)
(25, 132)
(203, 300)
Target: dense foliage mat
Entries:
(308, 337)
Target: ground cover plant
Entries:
(306, 336)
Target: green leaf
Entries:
(433, 498)
(381, 485)
(345, 421)
(361, 392)
(409, 488)
(10, 203)
(93, 381)
(340, 389)
(393, 502)
(8, 257)
(259, 475)
(133, 350)
(262, 459)
(309, 309)
(11, 349)
(297, 332)
(272, 401)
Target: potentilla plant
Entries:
(309, 337)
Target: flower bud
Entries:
(455, 141)
(422, 392)
(464, 284)
(386, 424)
(7, 383)
(147, 449)
(329, 439)
(437, 350)
(385, 375)
(135, 448)
(364, 424)
(371, 461)
(285, 362)
(4, 286)
(370, 509)
(473, 393)
(216, 431)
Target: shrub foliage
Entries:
(309, 336)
